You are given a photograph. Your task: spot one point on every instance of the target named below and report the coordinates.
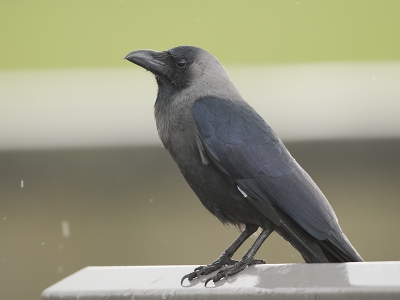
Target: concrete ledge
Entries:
(372, 280)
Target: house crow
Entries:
(236, 164)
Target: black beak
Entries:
(150, 60)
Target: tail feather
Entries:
(334, 249)
(337, 248)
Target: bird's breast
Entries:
(176, 127)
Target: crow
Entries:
(236, 164)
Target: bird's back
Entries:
(246, 149)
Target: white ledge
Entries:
(372, 280)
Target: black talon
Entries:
(207, 281)
(183, 278)
(189, 277)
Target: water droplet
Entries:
(22, 184)
(65, 228)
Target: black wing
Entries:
(243, 146)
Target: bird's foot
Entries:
(216, 265)
(223, 260)
(232, 270)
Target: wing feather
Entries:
(244, 147)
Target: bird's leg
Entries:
(246, 260)
(226, 256)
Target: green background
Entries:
(89, 33)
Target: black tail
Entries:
(337, 248)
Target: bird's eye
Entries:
(181, 63)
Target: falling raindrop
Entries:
(65, 229)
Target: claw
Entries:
(208, 280)
(221, 274)
(184, 277)
(195, 274)
(189, 277)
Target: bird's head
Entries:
(180, 67)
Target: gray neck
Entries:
(175, 104)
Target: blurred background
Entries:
(83, 177)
